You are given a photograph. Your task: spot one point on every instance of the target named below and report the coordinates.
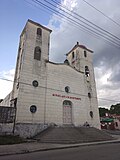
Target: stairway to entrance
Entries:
(67, 135)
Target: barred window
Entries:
(37, 53)
(87, 73)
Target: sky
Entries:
(106, 56)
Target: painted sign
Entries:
(63, 96)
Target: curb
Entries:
(60, 147)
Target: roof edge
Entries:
(29, 20)
(35, 23)
(64, 65)
(81, 46)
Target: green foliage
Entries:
(103, 111)
(115, 109)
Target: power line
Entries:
(104, 99)
(80, 27)
(75, 25)
(5, 79)
(41, 86)
(85, 20)
(70, 19)
(101, 13)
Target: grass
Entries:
(10, 139)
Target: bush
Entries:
(10, 139)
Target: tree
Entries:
(103, 111)
(115, 109)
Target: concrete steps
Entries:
(66, 135)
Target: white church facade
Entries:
(52, 93)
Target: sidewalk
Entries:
(37, 146)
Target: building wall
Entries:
(78, 63)
(49, 98)
(30, 70)
(58, 77)
(117, 124)
(6, 100)
(52, 79)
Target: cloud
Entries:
(106, 56)
(115, 77)
(6, 84)
(107, 92)
(65, 35)
(71, 4)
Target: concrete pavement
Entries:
(37, 146)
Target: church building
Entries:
(45, 92)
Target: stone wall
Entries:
(6, 128)
(28, 130)
(6, 100)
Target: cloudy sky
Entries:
(65, 34)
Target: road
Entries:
(96, 152)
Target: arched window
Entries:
(89, 95)
(73, 55)
(91, 114)
(37, 53)
(87, 73)
(39, 31)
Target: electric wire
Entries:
(101, 13)
(80, 27)
(61, 14)
(48, 8)
(104, 99)
(101, 29)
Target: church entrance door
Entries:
(67, 112)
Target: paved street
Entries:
(96, 152)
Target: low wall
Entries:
(6, 128)
(28, 130)
(7, 116)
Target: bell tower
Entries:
(80, 58)
(30, 74)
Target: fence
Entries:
(7, 117)
(7, 114)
